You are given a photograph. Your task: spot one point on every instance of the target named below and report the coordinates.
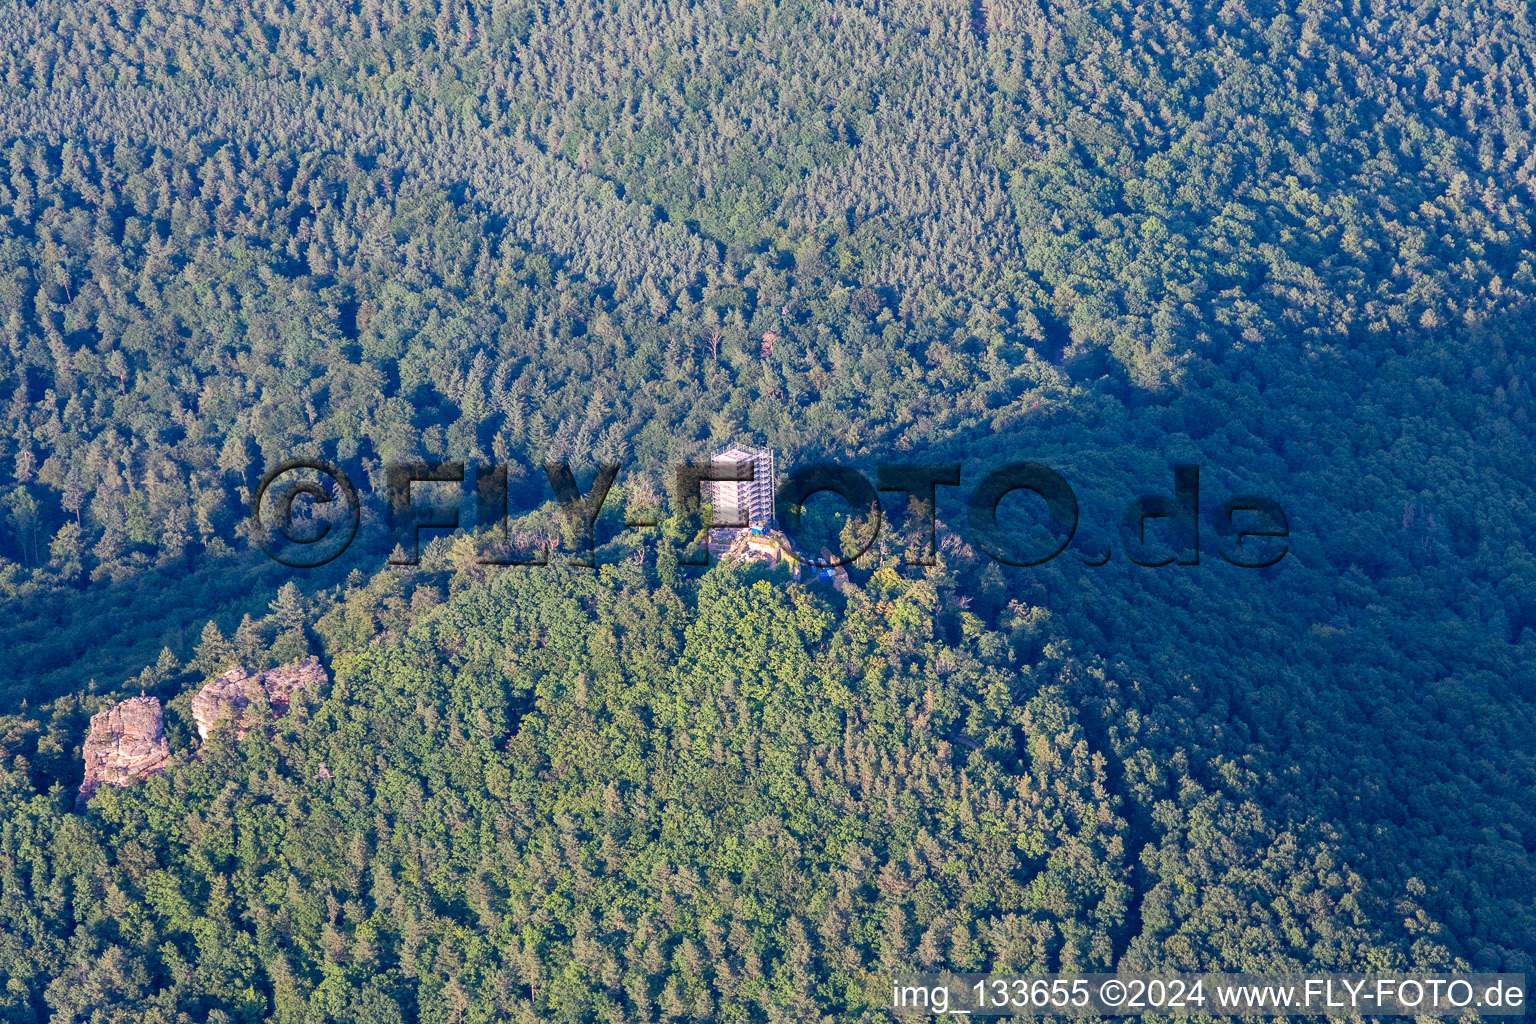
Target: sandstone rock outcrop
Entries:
(231, 694)
(126, 743)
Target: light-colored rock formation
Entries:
(126, 743)
(232, 693)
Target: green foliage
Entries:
(576, 798)
(1287, 240)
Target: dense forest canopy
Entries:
(1287, 241)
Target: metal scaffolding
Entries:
(749, 502)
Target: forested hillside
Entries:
(1290, 242)
(588, 798)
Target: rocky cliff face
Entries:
(231, 694)
(126, 742)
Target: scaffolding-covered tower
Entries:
(742, 501)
